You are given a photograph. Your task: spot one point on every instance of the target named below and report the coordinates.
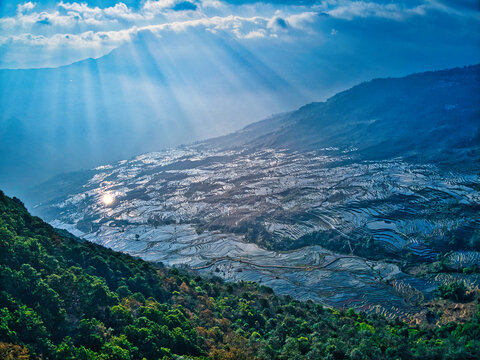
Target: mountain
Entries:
(429, 117)
(63, 298)
(325, 220)
(156, 92)
(152, 93)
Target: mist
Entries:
(81, 104)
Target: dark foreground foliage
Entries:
(61, 298)
(456, 291)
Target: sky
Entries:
(51, 33)
(91, 82)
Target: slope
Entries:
(144, 96)
(61, 298)
(427, 117)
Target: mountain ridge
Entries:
(138, 98)
(316, 125)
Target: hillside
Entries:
(62, 298)
(330, 221)
(426, 117)
(137, 98)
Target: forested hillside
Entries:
(61, 298)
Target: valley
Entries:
(368, 200)
(285, 219)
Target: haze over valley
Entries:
(84, 85)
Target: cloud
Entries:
(157, 6)
(255, 34)
(460, 5)
(351, 9)
(74, 14)
(301, 21)
(80, 16)
(215, 4)
(274, 2)
(241, 27)
(66, 15)
(78, 25)
(277, 23)
(22, 8)
(44, 21)
(462, 8)
(81, 8)
(88, 39)
(122, 11)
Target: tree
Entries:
(456, 291)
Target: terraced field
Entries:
(308, 273)
(261, 214)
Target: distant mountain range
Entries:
(427, 117)
(154, 93)
(144, 96)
